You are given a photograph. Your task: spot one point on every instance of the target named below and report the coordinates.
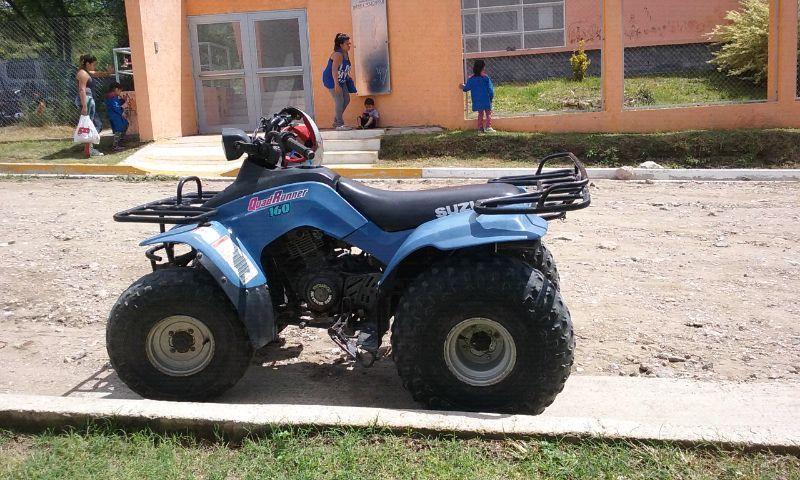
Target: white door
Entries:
(249, 65)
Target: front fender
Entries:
(468, 229)
(232, 266)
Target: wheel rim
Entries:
(180, 346)
(480, 352)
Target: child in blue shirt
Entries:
(482, 95)
(116, 114)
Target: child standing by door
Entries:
(482, 89)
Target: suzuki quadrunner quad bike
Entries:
(459, 275)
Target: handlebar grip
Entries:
(305, 151)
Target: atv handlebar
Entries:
(270, 150)
(292, 142)
(279, 142)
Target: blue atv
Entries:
(459, 275)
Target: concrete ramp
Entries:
(757, 415)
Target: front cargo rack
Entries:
(551, 193)
(182, 209)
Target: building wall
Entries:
(162, 67)
(645, 23)
(424, 50)
(670, 22)
(782, 109)
(660, 37)
(426, 61)
(648, 22)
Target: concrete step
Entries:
(359, 157)
(352, 134)
(199, 139)
(183, 168)
(188, 154)
(367, 144)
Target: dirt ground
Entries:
(691, 280)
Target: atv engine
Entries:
(324, 275)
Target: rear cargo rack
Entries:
(551, 193)
(182, 209)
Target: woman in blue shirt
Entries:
(342, 86)
(482, 89)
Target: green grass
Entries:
(12, 133)
(767, 148)
(548, 95)
(369, 454)
(690, 89)
(647, 91)
(62, 151)
(53, 144)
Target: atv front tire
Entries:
(174, 335)
(483, 334)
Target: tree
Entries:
(41, 41)
(744, 42)
(58, 28)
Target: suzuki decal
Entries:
(453, 209)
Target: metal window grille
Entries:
(510, 25)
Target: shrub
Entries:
(744, 42)
(580, 62)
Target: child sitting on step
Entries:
(370, 117)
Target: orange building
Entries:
(201, 65)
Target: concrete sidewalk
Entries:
(756, 415)
(209, 169)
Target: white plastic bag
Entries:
(85, 131)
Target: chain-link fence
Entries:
(536, 60)
(695, 53)
(38, 63)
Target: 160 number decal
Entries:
(278, 210)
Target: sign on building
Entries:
(371, 39)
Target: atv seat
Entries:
(398, 211)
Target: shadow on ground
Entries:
(75, 151)
(271, 379)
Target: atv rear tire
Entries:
(509, 310)
(541, 259)
(174, 335)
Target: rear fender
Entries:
(240, 277)
(465, 230)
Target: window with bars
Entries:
(507, 25)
